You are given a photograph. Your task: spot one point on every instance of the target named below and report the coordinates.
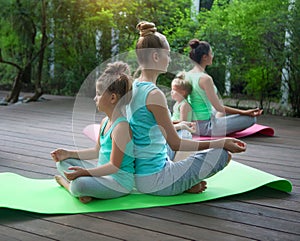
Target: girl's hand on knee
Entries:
(59, 155)
(77, 172)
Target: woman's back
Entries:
(198, 100)
(150, 145)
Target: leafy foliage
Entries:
(247, 36)
(251, 34)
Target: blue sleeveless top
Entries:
(125, 174)
(150, 148)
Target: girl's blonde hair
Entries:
(182, 83)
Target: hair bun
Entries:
(194, 43)
(146, 28)
(118, 68)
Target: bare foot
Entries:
(198, 188)
(62, 181)
(85, 199)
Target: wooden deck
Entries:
(29, 132)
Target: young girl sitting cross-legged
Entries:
(113, 176)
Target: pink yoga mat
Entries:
(252, 130)
(92, 132)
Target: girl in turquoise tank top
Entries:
(112, 176)
(152, 130)
(213, 118)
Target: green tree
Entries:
(83, 32)
(78, 24)
(247, 37)
(22, 52)
(251, 34)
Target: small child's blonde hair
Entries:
(182, 83)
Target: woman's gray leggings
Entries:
(223, 126)
(177, 177)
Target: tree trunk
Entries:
(38, 86)
(17, 85)
(13, 97)
(27, 73)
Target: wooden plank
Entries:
(178, 227)
(213, 222)
(231, 204)
(40, 226)
(8, 233)
(242, 217)
(271, 198)
(28, 132)
(108, 226)
(34, 168)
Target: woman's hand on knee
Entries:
(234, 145)
(253, 112)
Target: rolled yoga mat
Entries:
(92, 132)
(47, 197)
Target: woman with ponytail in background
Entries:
(212, 117)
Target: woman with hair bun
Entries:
(152, 129)
(212, 117)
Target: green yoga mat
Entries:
(47, 197)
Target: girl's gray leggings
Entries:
(104, 187)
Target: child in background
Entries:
(113, 176)
(182, 111)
